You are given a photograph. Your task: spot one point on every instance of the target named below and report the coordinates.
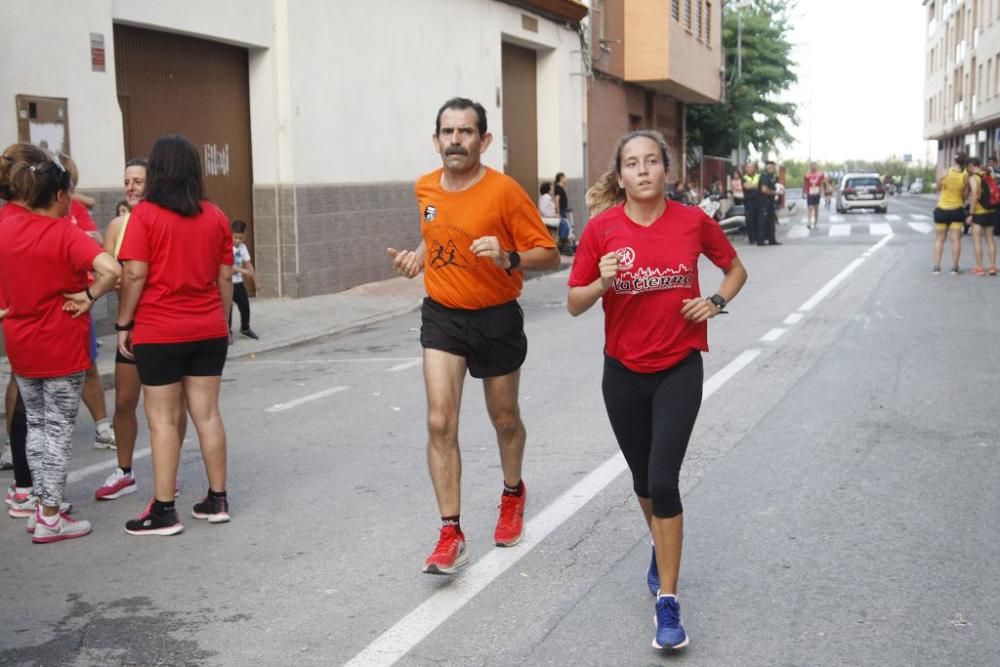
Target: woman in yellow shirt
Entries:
(982, 220)
(950, 213)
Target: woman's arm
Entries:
(225, 283)
(581, 298)
(699, 310)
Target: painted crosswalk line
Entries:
(919, 216)
(879, 228)
(840, 230)
(922, 227)
(798, 232)
(892, 217)
(836, 218)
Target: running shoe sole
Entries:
(212, 518)
(460, 562)
(59, 538)
(510, 543)
(169, 530)
(687, 640)
(131, 488)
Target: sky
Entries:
(861, 79)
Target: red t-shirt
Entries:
(40, 258)
(80, 216)
(814, 183)
(180, 301)
(657, 270)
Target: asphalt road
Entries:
(840, 494)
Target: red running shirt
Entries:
(40, 258)
(814, 183)
(657, 270)
(180, 301)
(80, 216)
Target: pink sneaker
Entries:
(57, 528)
(117, 484)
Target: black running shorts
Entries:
(984, 219)
(944, 216)
(491, 339)
(166, 363)
(812, 200)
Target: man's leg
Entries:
(93, 398)
(501, 403)
(444, 376)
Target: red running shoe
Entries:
(449, 554)
(510, 525)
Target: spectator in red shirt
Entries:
(176, 293)
(43, 281)
(640, 257)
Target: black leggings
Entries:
(242, 301)
(18, 440)
(652, 415)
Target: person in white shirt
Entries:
(547, 205)
(242, 266)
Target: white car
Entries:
(862, 190)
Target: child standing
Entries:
(242, 266)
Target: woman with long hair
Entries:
(949, 214)
(43, 281)
(639, 256)
(172, 319)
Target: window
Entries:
(700, 24)
(675, 10)
(708, 23)
(687, 15)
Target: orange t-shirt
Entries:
(451, 221)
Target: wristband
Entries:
(125, 327)
(86, 290)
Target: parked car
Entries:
(862, 190)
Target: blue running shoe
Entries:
(653, 575)
(669, 631)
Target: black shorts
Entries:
(985, 219)
(122, 359)
(812, 200)
(943, 216)
(166, 363)
(491, 339)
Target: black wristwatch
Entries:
(125, 327)
(719, 302)
(86, 290)
(515, 261)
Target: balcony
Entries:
(960, 51)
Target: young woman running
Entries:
(43, 281)
(640, 257)
(176, 293)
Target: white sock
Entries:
(660, 596)
(23, 489)
(102, 425)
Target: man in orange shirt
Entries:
(480, 230)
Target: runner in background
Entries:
(813, 185)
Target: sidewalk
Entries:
(281, 323)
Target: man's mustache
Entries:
(455, 150)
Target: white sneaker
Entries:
(116, 485)
(23, 505)
(105, 439)
(57, 528)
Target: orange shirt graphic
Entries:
(451, 221)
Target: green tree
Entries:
(751, 112)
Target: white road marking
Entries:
(892, 217)
(879, 228)
(280, 407)
(919, 216)
(798, 232)
(922, 227)
(794, 318)
(840, 230)
(836, 218)
(403, 366)
(825, 290)
(361, 360)
(410, 630)
(77, 475)
(773, 335)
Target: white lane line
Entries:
(922, 227)
(825, 290)
(77, 475)
(798, 232)
(836, 218)
(919, 216)
(279, 407)
(403, 366)
(773, 335)
(794, 318)
(840, 230)
(879, 228)
(410, 630)
(892, 217)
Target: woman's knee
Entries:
(666, 497)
